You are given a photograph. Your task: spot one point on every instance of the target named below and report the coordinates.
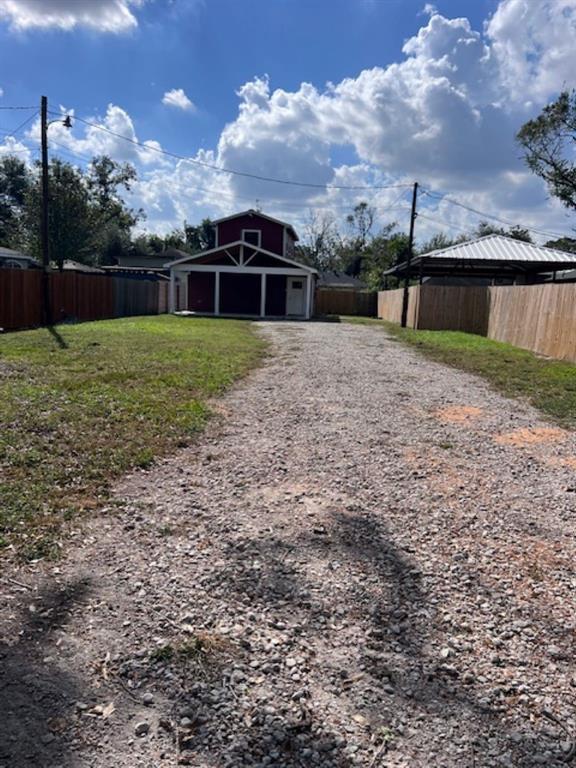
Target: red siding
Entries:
(272, 234)
(201, 291)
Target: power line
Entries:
(25, 122)
(34, 107)
(442, 223)
(507, 222)
(233, 171)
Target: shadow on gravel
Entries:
(392, 607)
(36, 697)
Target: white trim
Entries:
(215, 236)
(250, 258)
(241, 270)
(308, 297)
(284, 242)
(197, 256)
(258, 232)
(263, 295)
(232, 259)
(217, 293)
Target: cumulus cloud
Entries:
(445, 114)
(100, 15)
(113, 135)
(534, 46)
(177, 98)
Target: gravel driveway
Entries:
(368, 561)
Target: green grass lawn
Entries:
(550, 385)
(84, 403)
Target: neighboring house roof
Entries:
(69, 265)
(253, 212)
(222, 249)
(157, 272)
(492, 251)
(339, 280)
(10, 253)
(144, 261)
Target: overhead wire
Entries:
(445, 198)
(232, 171)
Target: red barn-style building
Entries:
(250, 272)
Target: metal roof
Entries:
(488, 255)
(500, 248)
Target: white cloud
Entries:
(101, 15)
(113, 135)
(177, 98)
(12, 146)
(445, 114)
(534, 45)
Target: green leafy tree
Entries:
(72, 218)
(200, 237)
(549, 144)
(516, 232)
(15, 180)
(567, 244)
(381, 253)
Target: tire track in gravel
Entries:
(356, 565)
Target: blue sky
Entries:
(419, 91)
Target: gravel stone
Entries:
(366, 557)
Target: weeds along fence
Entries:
(75, 296)
(541, 318)
(338, 301)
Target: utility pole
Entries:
(406, 294)
(46, 309)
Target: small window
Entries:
(297, 285)
(252, 236)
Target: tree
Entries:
(72, 219)
(381, 253)
(14, 184)
(549, 141)
(567, 244)
(200, 237)
(106, 180)
(321, 240)
(360, 223)
(516, 232)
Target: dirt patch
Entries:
(527, 436)
(458, 414)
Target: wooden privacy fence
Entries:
(76, 296)
(338, 301)
(541, 318)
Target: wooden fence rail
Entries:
(541, 318)
(336, 301)
(76, 296)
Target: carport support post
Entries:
(406, 294)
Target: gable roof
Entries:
(223, 248)
(253, 212)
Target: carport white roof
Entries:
(500, 248)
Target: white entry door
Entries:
(296, 296)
